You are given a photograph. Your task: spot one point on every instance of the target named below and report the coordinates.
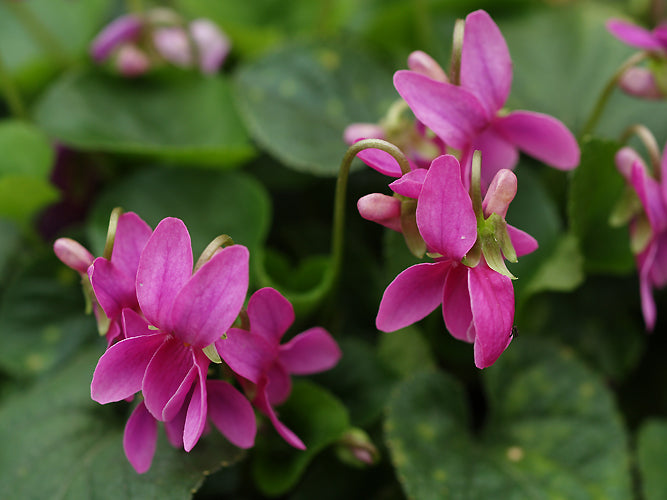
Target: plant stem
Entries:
(608, 90)
(11, 93)
(651, 145)
(39, 32)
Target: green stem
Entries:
(309, 299)
(608, 91)
(651, 145)
(39, 32)
(11, 93)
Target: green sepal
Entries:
(658, 67)
(212, 354)
(474, 255)
(356, 449)
(491, 246)
(413, 239)
(625, 209)
(641, 234)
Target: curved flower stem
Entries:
(39, 32)
(651, 145)
(608, 90)
(221, 241)
(307, 300)
(111, 232)
(11, 93)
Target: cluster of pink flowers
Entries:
(438, 206)
(164, 324)
(136, 43)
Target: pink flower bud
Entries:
(122, 30)
(358, 131)
(624, 159)
(212, 43)
(420, 62)
(73, 254)
(640, 82)
(173, 45)
(380, 208)
(500, 193)
(131, 61)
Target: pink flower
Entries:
(649, 241)
(258, 357)
(470, 116)
(477, 302)
(653, 40)
(184, 313)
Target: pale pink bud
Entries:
(213, 45)
(132, 61)
(358, 131)
(120, 31)
(173, 45)
(73, 254)
(500, 194)
(640, 82)
(380, 208)
(624, 159)
(420, 62)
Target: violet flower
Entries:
(477, 302)
(470, 116)
(258, 357)
(184, 313)
(648, 226)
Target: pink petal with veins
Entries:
(312, 351)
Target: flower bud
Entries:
(380, 208)
(120, 31)
(213, 45)
(173, 44)
(420, 62)
(640, 82)
(500, 194)
(356, 448)
(358, 131)
(73, 254)
(131, 61)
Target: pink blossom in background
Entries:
(266, 365)
(470, 116)
(654, 40)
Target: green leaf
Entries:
(209, 203)
(58, 443)
(318, 418)
(552, 431)
(10, 240)
(652, 456)
(296, 102)
(42, 318)
(594, 192)
(562, 271)
(189, 118)
(405, 351)
(25, 164)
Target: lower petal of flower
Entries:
(140, 438)
(231, 413)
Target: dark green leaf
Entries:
(652, 457)
(58, 443)
(552, 432)
(297, 102)
(191, 119)
(318, 418)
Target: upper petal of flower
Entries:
(231, 413)
(279, 385)
(522, 242)
(492, 305)
(412, 295)
(452, 112)
(445, 215)
(486, 66)
(542, 137)
(312, 351)
(132, 234)
(211, 300)
(633, 35)
(383, 162)
(270, 314)
(410, 184)
(165, 266)
(650, 194)
(497, 154)
(123, 29)
(248, 354)
(140, 438)
(114, 290)
(421, 62)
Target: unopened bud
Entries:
(73, 254)
(173, 44)
(120, 31)
(420, 62)
(380, 208)
(213, 45)
(356, 448)
(357, 131)
(500, 194)
(624, 159)
(131, 61)
(640, 82)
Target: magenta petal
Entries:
(262, 403)
(522, 242)
(247, 353)
(645, 262)
(663, 174)
(140, 438)
(231, 413)
(492, 304)
(175, 403)
(650, 194)
(624, 159)
(542, 137)
(270, 314)
(659, 267)
(486, 66)
(113, 289)
(210, 302)
(410, 184)
(73, 254)
(445, 216)
(382, 161)
(279, 385)
(135, 325)
(312, 351)
(380, 208)
(452, 112)
(124, 29)
(164, 268)
(174, 428)
(456, 309)
(132, 234)
(497, 154)
(633, 35)
(412, 295)
(195, 419)
(120, 370)
(165, 374)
